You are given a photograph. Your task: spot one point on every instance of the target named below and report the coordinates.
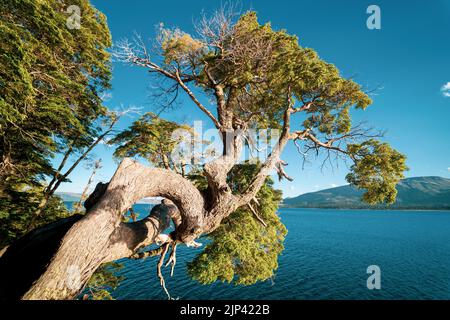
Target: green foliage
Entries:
(149, 137)
(262, 72)
(103, 281)
(260, 66)
(242, 250)
(17, 210)
(51, 78)
(377, 168)
(178, 45)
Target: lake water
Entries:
(326, 256)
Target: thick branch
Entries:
(216, 171)
(60, 167)
(304, 107)
(256, 215)
(144, 62)
(196, 101)
(271, 161)
(63, 177)
(99, 236)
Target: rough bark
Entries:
(3, 250)
(101, 236)
(25, 260)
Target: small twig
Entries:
(257, 215)
(173, 258)
(161, 251)
(281, 173)
(146, 254)
(165, 248)
(133, 214)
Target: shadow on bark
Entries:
(27, 258)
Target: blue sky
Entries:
(408, 59)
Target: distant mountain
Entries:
(74, 197)
(69, 196)
(413, 193)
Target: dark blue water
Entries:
(326, 256)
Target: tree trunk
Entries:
(3, 250)
(101, 237)
(26, 259)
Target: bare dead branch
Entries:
(256, 215)
(173, 258)
(281, 173)
(335, 146)
(165, 247)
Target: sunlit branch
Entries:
(126, 53)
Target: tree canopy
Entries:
(51, 81)
(244, 250)
(254, 76)
(149, 137)
(260, 78)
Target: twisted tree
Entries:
(257, 77)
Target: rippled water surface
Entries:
(326, 256)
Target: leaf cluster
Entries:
(242, 250)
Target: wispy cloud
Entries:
(448, 169)
(446, 90)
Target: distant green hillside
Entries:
(69, 196)
(413, 193)
(74, 197)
